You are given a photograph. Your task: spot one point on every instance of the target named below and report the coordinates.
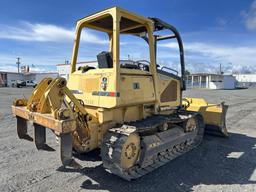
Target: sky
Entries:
(214, 32)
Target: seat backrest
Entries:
(105, 60)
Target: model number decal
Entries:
(77, 92)
(105, 93)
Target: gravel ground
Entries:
(218, 164)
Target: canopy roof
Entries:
(129, 23)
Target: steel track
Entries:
(112, 147)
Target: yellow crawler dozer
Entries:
(133, 111)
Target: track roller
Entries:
(131, 155)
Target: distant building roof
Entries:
(249, 74)
(9, 72)
(204, 74)
(51, 72)
(82, 62)
(28, 73)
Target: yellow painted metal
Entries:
(48, 98)
(214, 115)
(120, 80)
(37, 94)
(47, 120)
(101, 108)
(130, 151)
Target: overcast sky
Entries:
(41, 32)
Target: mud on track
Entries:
(217, 165)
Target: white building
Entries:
(64, 69)
(245, 78)
(7, 78)
(210, 81)
(37, 77)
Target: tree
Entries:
(187, 72)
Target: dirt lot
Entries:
(217, 165)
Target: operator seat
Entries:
(105, 60)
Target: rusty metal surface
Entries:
(40, 138)
(22, 129)
(66, 151)
(46, 120)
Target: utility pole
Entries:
(18, 63)
(66, 61)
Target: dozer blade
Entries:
(214, 115)
(22, 129)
